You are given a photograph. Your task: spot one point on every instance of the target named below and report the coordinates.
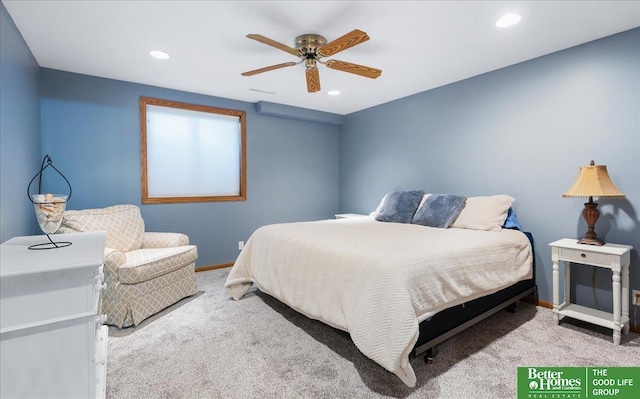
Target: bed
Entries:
(397, 288)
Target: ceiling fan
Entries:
(310, 48)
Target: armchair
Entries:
(144, 271)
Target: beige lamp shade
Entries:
(593, 181)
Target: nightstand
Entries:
(609, 256)
(348, 215)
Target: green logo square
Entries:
(578, 382)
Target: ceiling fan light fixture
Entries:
(159, 54)
(507, 20)
(333, 92)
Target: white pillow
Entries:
(379, 208)
(484, 213)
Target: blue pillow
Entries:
(399, 206)
(439, 210)
(511, 222)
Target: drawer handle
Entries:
(583, 255)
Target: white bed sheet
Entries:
(378, 280)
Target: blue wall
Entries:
(524, 131)
(91, 129)
(19, 130)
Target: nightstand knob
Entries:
(583, 255)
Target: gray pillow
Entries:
(399, 206)
(439, 210)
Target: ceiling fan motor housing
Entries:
(308, 45)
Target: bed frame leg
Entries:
(512, 308)
(429, 355)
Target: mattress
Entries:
(378, 280)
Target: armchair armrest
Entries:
(113, 259)
(164, 240)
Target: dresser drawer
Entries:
(59, 354)
(580, 256)
(36, 298)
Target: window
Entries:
(191, 153)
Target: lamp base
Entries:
(591, 215)
(592, 241)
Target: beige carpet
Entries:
(209, 346)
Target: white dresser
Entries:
(52, 341)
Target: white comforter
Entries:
(378, 280)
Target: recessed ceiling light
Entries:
(508, 20)
(159, 54)
(333, 92)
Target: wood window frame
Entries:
(241, 115)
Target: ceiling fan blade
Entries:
(273, 43)
(361, 70)
(352, 38)
(269, 68)
(313, 80)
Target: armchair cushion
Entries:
(149, 263)
(123, 223)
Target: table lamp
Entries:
(592, 181)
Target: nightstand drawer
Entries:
(580, 256)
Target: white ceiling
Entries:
(419, 45)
